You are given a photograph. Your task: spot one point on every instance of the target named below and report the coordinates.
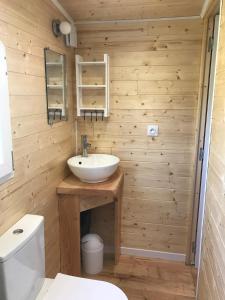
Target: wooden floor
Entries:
(143, 279)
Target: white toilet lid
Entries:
(67, 287)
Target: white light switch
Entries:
(153, 130)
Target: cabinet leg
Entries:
(69, 210)
(117, 229)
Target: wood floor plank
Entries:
(143, 279)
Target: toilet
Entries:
(22, 269)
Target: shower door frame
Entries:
(204, 122)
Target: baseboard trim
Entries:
(153, 254)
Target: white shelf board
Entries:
(92, 108)
(89, 63)
(54, 64)
(54, 86)
(92, 86)
(56, 106)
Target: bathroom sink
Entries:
(94, 168)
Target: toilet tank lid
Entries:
(18, 235)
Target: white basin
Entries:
(94, 168)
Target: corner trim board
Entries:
(205, 7)
(136, 20)
(153, 254)
(63, 11)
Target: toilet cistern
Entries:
(85, 145)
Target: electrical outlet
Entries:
(153, 130)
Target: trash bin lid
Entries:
(91, 241)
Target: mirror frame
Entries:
(51, 120)
(6, 148)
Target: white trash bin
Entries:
(92, 253)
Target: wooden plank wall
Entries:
(40, 151)
(212, 275)
(154, 80)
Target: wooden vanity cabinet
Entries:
(76, 197)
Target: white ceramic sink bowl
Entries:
(94, 168)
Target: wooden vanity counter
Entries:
(76, 197)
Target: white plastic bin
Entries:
(92, 253)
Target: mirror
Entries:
(6, 154)
(55, 78)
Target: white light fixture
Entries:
(60, 28)
(65, 27)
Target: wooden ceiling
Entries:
(100, 10)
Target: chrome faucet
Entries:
(85, 145)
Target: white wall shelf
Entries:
(93, 106)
